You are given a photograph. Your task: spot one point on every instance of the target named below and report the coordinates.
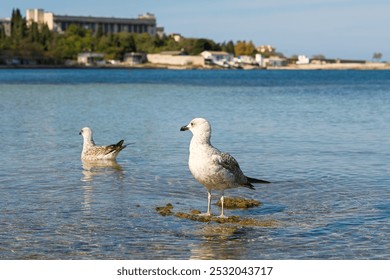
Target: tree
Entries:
(244, 48)
(377, 56)
(18, 25)
(318, 57)
(202, 44)
(33, 32)
(2, 33)
(99, 32)
(46, 37)
(229, 47)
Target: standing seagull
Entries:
(93, 152)
(212, 168)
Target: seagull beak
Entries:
(184, 128)
(80, 133)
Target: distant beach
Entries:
(311, 66)
(337, 66)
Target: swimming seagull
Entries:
(212, 168)
(93, 152)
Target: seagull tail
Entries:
(249, 186)
(257, 181)
(119, 146)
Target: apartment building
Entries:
(142, 24)
(5, 25)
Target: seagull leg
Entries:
(209, 203)
(222, 200)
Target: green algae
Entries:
(234, 203)
(238, 203)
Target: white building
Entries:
(90, 58)
(5, 25)
(134, 58)
(223, 59)
(303, 59)
(246, 59)
(259, 60)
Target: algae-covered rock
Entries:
(195, 215)
(165, 210)
(238, 203)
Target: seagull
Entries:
(212, 168)
(93, 152)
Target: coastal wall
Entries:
(176, 60)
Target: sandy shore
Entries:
(328, 66)
(335, 66)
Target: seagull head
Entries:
(86, 132)
(199, 127)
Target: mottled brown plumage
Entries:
(92, 152)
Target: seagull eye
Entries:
(192, 124)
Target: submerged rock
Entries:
(195, 215)
(238, 203)
(165, 210)
(228, 220)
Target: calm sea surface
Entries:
(321, 137)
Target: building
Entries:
(259, 60)
(134, 58)
(276, 61)
(177, 37)
(265, 49)
(107, 25)
(303, 59)
(90, 58)
(223, 59)
(5, 25)
(246, 59)
(176, 58)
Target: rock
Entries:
(165, 210)
(238, 203)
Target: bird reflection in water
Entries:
(220, 242)
(93, 169)
(100, 167)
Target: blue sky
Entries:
(353, 29)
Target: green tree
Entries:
(18, 25)
(377, 56)
(2, 33)
(46, 37)
(202, 44)
(33, 33)
(244, 48)
(144, 42)
(228, 47)
(318, 57)
(99, 32)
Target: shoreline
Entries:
(328, 66)
(336, 66)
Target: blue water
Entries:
(321, 137)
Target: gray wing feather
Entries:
(230, 163)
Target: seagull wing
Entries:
(230, 164)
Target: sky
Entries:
(347, 29)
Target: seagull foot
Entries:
(223, 216)
(204, 214)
